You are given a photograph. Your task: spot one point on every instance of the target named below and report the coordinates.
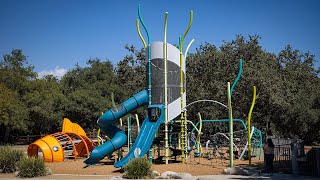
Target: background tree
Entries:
(87, 91)
(15, 77)
(287, 86)
(13, 113)
(299, 91)
(131, 76)
(15, 72)
(44, 102)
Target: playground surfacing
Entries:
(105, 167)
(194, 165)
(204, 170)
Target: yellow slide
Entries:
(52, 146)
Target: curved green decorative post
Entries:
(140, 35)
(230, 126)
(166, 88)
(181, 91)
(149, 56)
(249, 123)
(237, 78)
(230, 90)
(149, 64)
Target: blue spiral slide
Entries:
(118, 138)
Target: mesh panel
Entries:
(173, 74)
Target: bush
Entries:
(137, 169)
(31, 167)
(8, 159)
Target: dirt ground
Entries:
(194, 165)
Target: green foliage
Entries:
(44, 102)
(298, 93)
(131, 71)
(138, 168)
(287, 87)
(15, 72)
(131, 76)
(13, 112)
(8, 159)
(16, 75)
(31, 167)
(87, 91)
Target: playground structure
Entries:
(218, 141)
(71, 142)
(122, 125)
(165, 96)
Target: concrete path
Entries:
(208, 177)
(273, 177)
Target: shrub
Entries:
(31, 167)
(137, 169)
(8, 159)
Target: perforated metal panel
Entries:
(173, 77)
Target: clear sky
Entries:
(56, 35)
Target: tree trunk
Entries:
(6, 134)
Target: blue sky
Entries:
(56, 35)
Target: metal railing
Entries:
(291, 156)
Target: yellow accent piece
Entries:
(69, 127)
(249, 123)
(50, 147)
(138, 124)
(189, 25)
(98, 134)
(140, 35)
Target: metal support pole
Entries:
(166, 89)
(230, 127)
(294, 158)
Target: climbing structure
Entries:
(165, 96)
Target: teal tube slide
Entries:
(117, 137)
(146, 136)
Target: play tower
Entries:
(165, 96)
